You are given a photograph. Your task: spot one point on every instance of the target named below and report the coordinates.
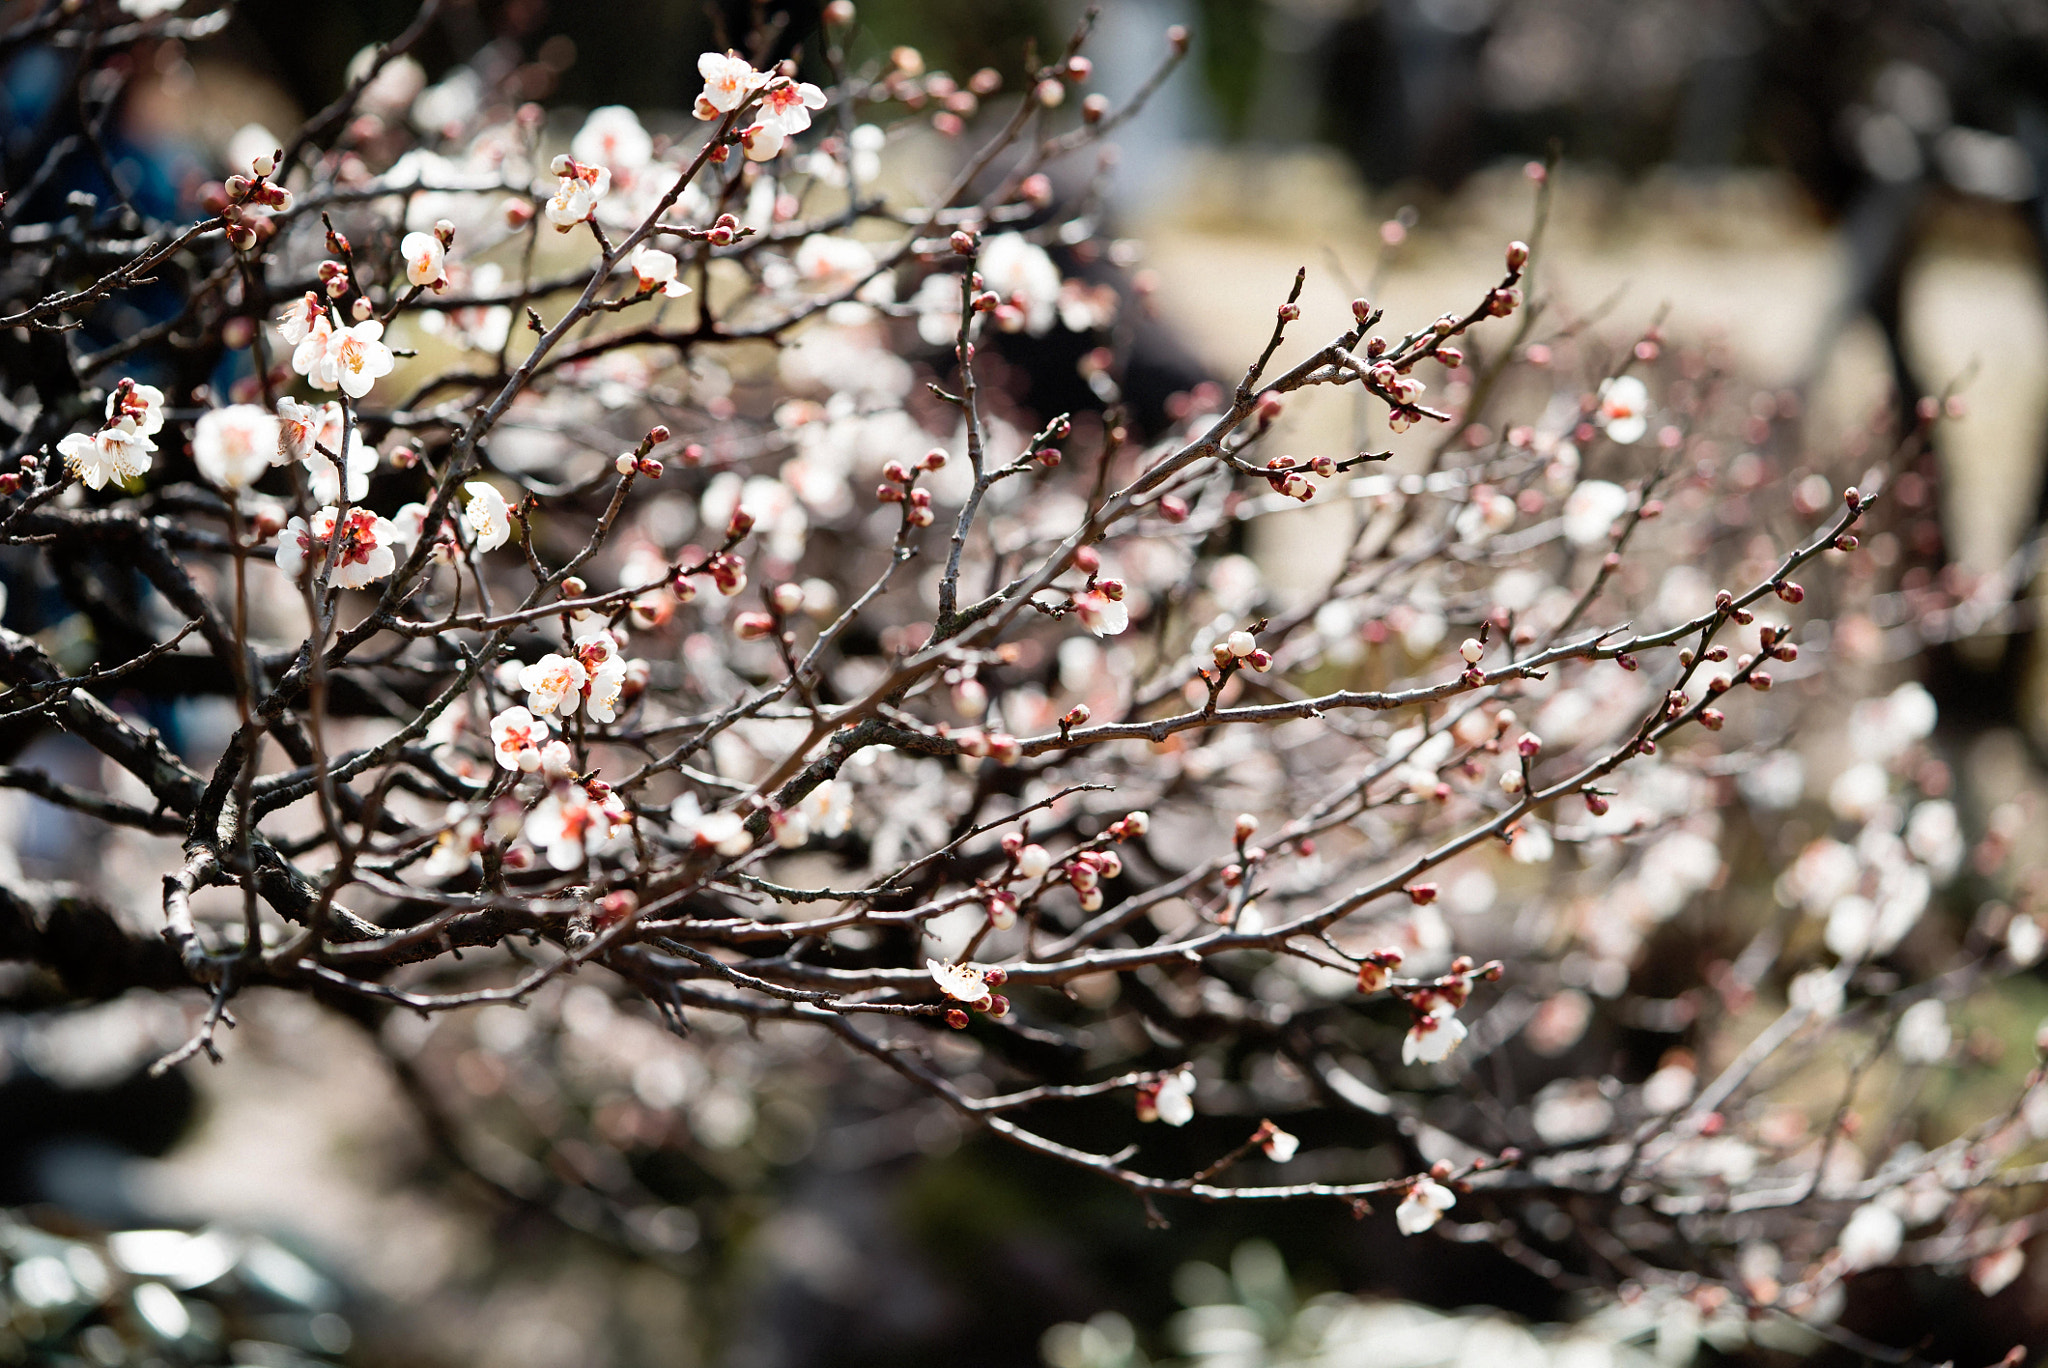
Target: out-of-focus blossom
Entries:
(233, 446)
(1279, 1146)
(567, 826)
(1025, 279)
(1590, 512)
(1873, 1236)
(613, 137)
(724, 831)
(828, 263)
(1923, 1032)
(1170, 1099)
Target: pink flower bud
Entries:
(1174, 509)
(1760, 681)
(956, 1018)
(752, 626)
(1596, 805)
(741, 523)
(935, 459)
(1712, 718)
(1518, 255)
(1422, 894)
(1004, 749)
(1791, 592)
(1528, 745)
(1246, 825)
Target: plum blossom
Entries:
(575, 198)
(1590, 512)
(295, 324)
(1101, 614)
(363, 556)
(828, 263)
(487, 515)
(728, 81)
(1423, 1207)
(763, 141)
(1873, 1236)
(1923, 1032)
(233, 446)
(961, 982)
(655, 269)
(567, 825)
(1025, 279)
(313, 355)
(457, 846)
(143, 403)
(1624, 406)
(1170, 1098)
(358, 358)
(937, 306)
(308, 432)
(724, 831)
(787, 105)
(1432, 1038)
(117, 452)
(516, 739)
(612, 137)
(426, 260)
(554, 683)
(1279, 1146)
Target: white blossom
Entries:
(961, 982)
(516, 739)
(654, 269)
(426, 260)
(1423, 1207)
(728, 81)
(1432, 1038)
(1923, 1032)
(119, 453)
(487, 515)
(554, 684)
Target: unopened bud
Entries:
(1518, 255)
(1528, 745)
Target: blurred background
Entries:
(1844, 194)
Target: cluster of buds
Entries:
(900, 486)
(245, 204)
(1087, 870)
(334, 278)
(638, 461)
(1242, 646)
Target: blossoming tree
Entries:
(619, 566)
